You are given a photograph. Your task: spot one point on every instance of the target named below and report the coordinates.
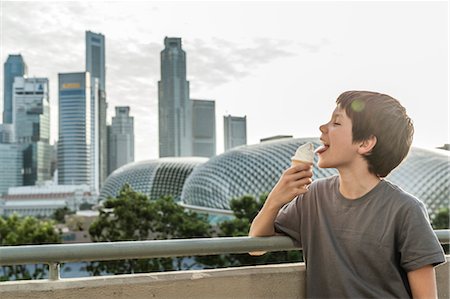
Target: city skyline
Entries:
(270, 62)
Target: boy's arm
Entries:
(292, 183)
(423, 283)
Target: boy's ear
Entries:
(367, 145)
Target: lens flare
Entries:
(357, 105)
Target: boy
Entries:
(362, 237)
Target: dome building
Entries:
(154, 178)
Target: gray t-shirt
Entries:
(359, 248)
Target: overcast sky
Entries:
(282, 64)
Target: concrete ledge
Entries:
(269, 281)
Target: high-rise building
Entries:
(95, 56)
(175, 108)
(7, 133)
(95, 65)
(10, 159)
(31, 115)
(121, 139)
(74, 142)
(14, 67)
(203, 128)
(235, 131)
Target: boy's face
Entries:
(338, 151)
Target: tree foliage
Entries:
(59, 214)
(132, 216)
(15, 230)
(442, 221)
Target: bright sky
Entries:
(282, 64)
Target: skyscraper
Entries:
(31, 115)
(11, 159)
(235, 131)
(13, 67)
(74, 142)
(203, 128)
(121, 139)
(95, 65)
(175, 109)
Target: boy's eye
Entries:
(336, 124)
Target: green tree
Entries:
(132, 216)
(441, 220)
(15, 230)
(60, 213)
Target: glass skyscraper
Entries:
(10, 159)
(95, 65)
(74, 142)
(235, 131)
(31, 115)
(121, 139)
(14, 67)
(175, 109)
(203, 128)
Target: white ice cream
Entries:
(305, 153)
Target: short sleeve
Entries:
(288, 220)
(418, 244)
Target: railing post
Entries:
(53, 271)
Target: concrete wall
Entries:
(271, 281)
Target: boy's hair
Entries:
(379, 115)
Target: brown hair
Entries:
(379, 115)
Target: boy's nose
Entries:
(322, 128)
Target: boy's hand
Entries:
(293, 182)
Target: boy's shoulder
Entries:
(396, 194)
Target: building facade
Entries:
(74, 142)
(203, 128)
(95, 65)
(7, 133)
(44, 200)
(175, 109)
(14, 67)
(11, 162)
(31, 115)
(235, 131)
(121, 139)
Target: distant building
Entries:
(11, 162)
(445, 147)
(175, 108)
(277, 137)
(75, 142)
(14, 67)
(31, 114)
(203, 128)
(95, 57)
(235, 131)
(121, 139)
(7, 133)
(95, 65)
(44, 200)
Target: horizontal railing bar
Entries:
(103, 251)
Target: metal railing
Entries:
(55, 254)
